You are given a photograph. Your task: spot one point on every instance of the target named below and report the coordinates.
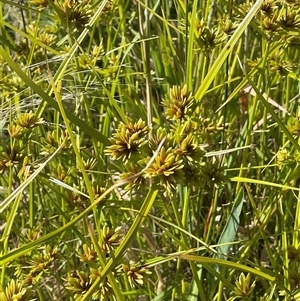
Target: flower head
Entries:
(128, 139)
(167, 166)
(179, 104)
(15, 291)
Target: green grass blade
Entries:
(231, 227)
(74, 119)
(226, 51)
(271, 276)
(19, 190)
(145, 209)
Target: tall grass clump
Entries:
(149, 150)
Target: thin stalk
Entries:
(112, 281)
(297, 223)
(284, 214)
(4, 234)
(32, 205)
(195, 270)
(252, 117)
(211, 216)
(145, 34)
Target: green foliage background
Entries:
(149, 150)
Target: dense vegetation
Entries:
(149, 150)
